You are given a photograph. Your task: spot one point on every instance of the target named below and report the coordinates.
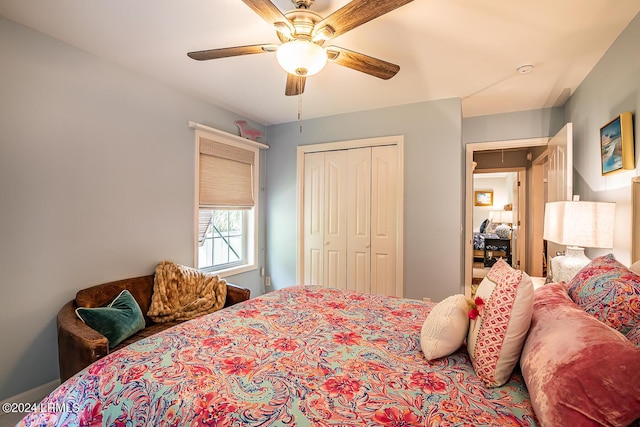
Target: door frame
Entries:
(538, 199)
(397, 140)
(470, 149)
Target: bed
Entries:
(486, 231)
(478, 243)
(298, 356)
(308, 355)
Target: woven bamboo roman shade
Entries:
(226, 175)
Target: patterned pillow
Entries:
(445, 328)
(503, 231)
(579, 371)
(491, 227)
(634, 335)
(496, 336)
(609, 291)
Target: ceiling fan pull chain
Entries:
(300, 111)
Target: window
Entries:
(223, 240)
(226, 202)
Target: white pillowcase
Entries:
(445, 328)
(496, 337)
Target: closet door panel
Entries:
(335, 219)
(313, 218)
(350, 217)
(384, 176)
(359, 219)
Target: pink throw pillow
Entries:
(579, 371)
(496, 335)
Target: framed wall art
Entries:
(483, 198)
(616, 144)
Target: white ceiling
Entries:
(446, 48)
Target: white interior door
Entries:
(384, 176)
(560, 175)
(335, 219)
(359, 219)
(313, 218)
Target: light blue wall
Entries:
(611, 88)
(96, 184)
(517, 125)
(433, 188)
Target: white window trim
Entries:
(252, 226)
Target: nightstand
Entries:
(495, 249)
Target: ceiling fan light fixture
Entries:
(283, 29)
(301, 57)
(324, 33)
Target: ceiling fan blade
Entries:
(356, 13)
(295, 85)
(270, 13)
(225, 52)
(361, 62)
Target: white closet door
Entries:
(335, 225)
(359, 220)
(384, 176)
(313, 218)
(350, 219)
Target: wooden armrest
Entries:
(78, 344)
(236, 294)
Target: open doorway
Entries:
(511, 161)
(548, 176)
(495, 219)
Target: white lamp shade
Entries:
(505, 217)
(301, 57)
(582, 224)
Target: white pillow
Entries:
(445, 329)
(635, 267)
(496, 337)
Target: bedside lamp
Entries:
(577, 225)
(505, 219)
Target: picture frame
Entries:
(616, 144)
(483, 198)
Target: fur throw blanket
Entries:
(183, 293)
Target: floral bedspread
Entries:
(295, 357)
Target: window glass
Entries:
(223, 238)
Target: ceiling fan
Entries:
(303, 34)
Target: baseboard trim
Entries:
(34, 395)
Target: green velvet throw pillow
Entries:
(117, 321)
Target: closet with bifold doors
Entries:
(351, 219)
